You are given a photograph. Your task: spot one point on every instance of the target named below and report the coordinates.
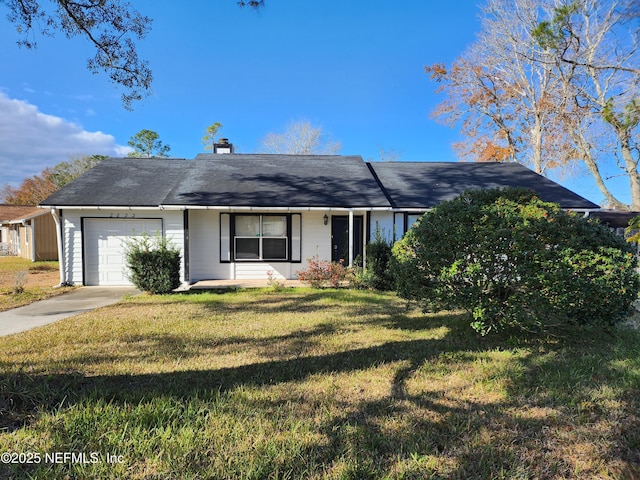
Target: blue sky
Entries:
(354, 68)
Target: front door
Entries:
(340, 238)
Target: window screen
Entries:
(261, 237)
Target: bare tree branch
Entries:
(112, 26)
(300, 138)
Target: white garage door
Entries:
(104, 260)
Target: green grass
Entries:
(317, 384)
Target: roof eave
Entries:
(254, 208)
(101, 207)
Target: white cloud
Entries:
(31, 141)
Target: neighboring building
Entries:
(28, 232)
(240, 216)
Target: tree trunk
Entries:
(631, 167)
(536, 145)
(584, 149)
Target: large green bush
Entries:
(512, 260)
(154, 264)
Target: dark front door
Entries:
(340, 238)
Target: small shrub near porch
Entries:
(320, 273)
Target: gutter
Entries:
(229, 208)
(97, 207)
(58, 222)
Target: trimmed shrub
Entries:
(512, 260)
(154, 264)
(321, 272)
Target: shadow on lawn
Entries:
(290, 300)
(481, 438)
(184, 384)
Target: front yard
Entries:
(312, 384)
(23, 282)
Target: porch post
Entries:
(350, 237)
(365, 238)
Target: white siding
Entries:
(73, 256)
(204, 241)
(252, 270)
(72, 241)
(383, 221)
(399, 224)
(316, 237)
(204, 247)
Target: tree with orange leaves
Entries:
(35, 189)
(502, 93)
(551, 84)
(31, 191)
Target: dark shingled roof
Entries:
(294, 181)
(425, 184)
(135, 182)
(277, 181)
(226, 180)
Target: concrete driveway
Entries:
(53, 309)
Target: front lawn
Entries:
(23, 281)
(312, 384)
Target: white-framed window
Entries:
(260, 237)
